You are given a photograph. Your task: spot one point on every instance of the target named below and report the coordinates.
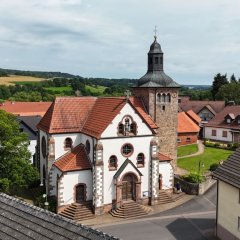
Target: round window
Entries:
(127, 150)
(44, 147)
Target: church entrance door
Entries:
(128, 187)
(80, 193)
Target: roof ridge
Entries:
(54, 215)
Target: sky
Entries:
(111, 38)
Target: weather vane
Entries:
(155, 31)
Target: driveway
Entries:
(194, 220)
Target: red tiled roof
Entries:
(137, 103)
(185, 124)
(74, 160)
(67, 114)
(193, 116)
(26, 108)
(197, 106)
(163, 157)
(219, 119)
(89, 115)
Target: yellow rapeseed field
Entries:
(13, 78)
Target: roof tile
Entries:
(185, 124)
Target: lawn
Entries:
(187, 150)
(95, 89)
(210, 156)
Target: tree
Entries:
(219, 81)
(233, 79)
(16, 170)
(229, 92)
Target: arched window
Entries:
(88, 148)
(140, 160)
(127, 150)
(133, 128)
(112, 162)
(127, 126)
(168, 98)
(158, 97)
(68, 143)
(120, 128)
(163, 98)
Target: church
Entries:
(110, 150)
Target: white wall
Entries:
(166, 170)
(70, 180)
(55, 172)
(113, 147)
(142, 128)
(32, 148)
(228, 208)
(77, 138)
(218, 137)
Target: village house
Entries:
(104, 152)
(225, 126)
(228, 198)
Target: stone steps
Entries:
(129, 210)
(164, 197)
(78, 212)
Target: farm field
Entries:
(210, 156)
(97, 89)
(13, 79)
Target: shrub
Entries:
(193, 178)
(213, 167)
(4, 185)
(216, 144)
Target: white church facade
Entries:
(106, 151)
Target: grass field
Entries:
(59, 89)
(210, 156)
(11, 80)
(96, 89)
(187, 150)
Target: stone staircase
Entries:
(165, 197)
(130, 209)
(78, 212)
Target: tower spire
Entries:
(155, 33)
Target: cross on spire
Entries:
(155, 31)
(127, 94)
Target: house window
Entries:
(224, 134)
(88, 148)
(188, 139)
(156, 60)
(112, 163)
(179, 140)
(228, 120)
(127, 150)
(140, 160)
(214, 132)
(68, 143)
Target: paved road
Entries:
(194, 220)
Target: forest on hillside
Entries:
(64, 84)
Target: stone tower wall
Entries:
(166, 117)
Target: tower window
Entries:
(156, 60)
(161, 60)
(168, 98)
(159, 97)
(163, 108)
(150, 60)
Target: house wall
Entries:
(218, 137)
(228, 212)
(68, 182)
(166, 170)
(182, 138)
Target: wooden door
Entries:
(80, 193)
(128, 190)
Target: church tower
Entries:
(159, 94)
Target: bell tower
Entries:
(159, 94)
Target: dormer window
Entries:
(228, 120)
(127, 126)
(238, 121)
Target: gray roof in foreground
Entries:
(22, 221)
(229, 171)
